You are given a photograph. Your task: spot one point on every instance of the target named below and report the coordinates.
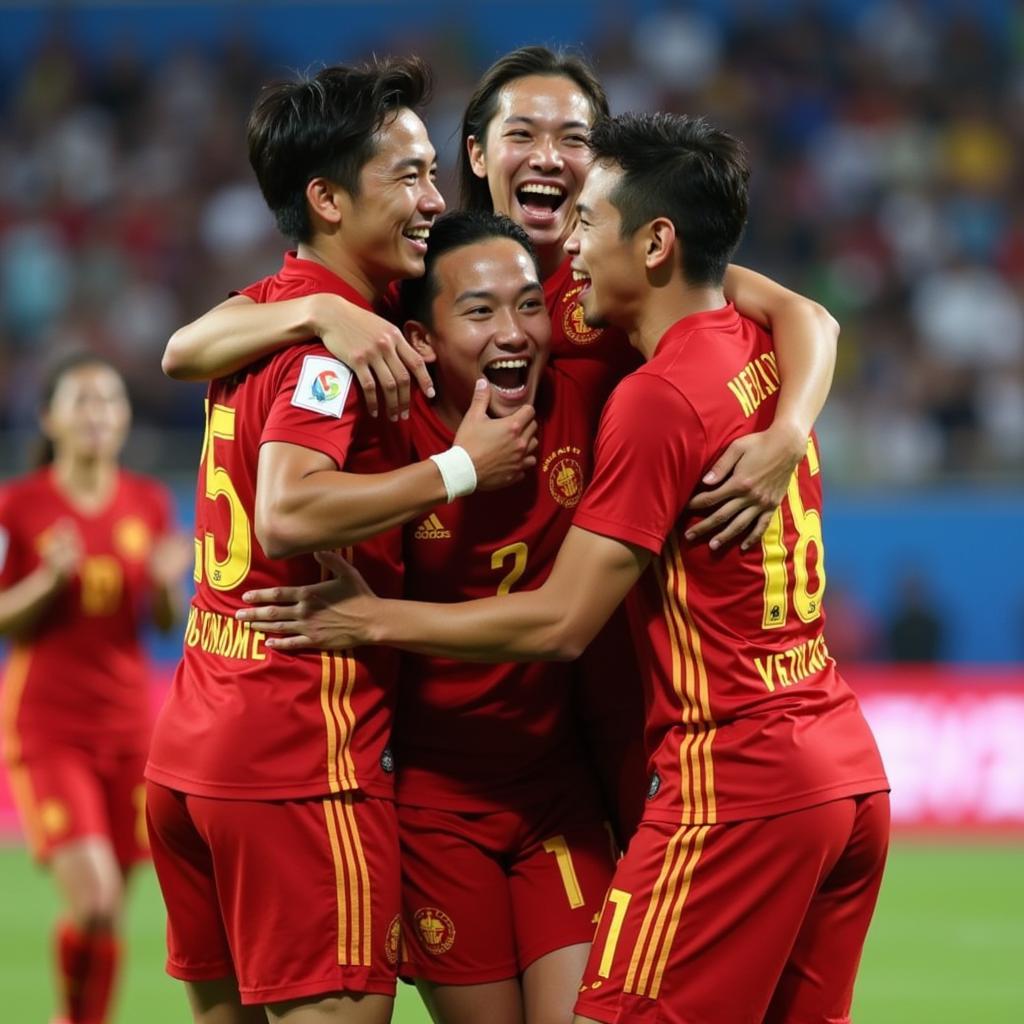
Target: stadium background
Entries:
(886, 140)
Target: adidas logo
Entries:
(431, 529)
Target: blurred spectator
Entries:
(886, 140)
(916, 630)
(851, 631)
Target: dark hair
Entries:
(454, 231)
(474, 193)
(324, 126)
(684, 169)
(56, 370)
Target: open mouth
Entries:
(581, 277)
(418, 236)
(509, 377)
(540, 202)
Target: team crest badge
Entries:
(574, 326)
(653, 786)
(131, 538)
(435, 929)
(393, 940)
(387, 760)
(566, 482)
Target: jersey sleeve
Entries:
(315, 405)
(650, 449)
(9, 570)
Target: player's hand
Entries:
(754, 472)
(501, 449)
(61, 551)
(378, 354)
(332, 615)
(171, 556)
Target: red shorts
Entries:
(294, 898)
(72, 794)
(485, 895)
(754, 921)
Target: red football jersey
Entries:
(599, 357)
(747, 715)
(80, 677)
(243, 721)
(477, 737)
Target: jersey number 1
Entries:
(806, 603)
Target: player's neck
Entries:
(337, 260)
(664, 307)
(86, 483)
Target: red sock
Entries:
(86, 962)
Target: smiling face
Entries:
(613, 267)
(89, 415)
(534, 154)
(489, 320)
(384, 229)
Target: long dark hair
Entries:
(56, 369)
(474, 193)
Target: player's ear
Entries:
(477, 156)
(326, 200)
(419, 337)
(659, 243)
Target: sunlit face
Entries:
(489, 320)
(534, 154)
(89, 414)
(384, 229)
(612, 267)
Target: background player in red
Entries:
(523, 153)
(87, 556)
(766, 826)
(269, 795)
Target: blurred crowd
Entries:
(886, 156)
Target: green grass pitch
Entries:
(947, 944)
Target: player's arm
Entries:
(754, 471)
(303, 503)
(239, 332)
(22, 603)
(590, 577)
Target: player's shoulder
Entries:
(21, 491)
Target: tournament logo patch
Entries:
(574, 326)
(322, 385)
(435, 929)
(393, 940)
(387, 760)
(131, 538)
(653, 786)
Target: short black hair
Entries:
(685, 169)
(474, 193)
(454, 231)
(324, 126)
(55, 369)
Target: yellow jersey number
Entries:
(517, 553)
(228, 572)
(806, 603)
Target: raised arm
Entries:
(752, 474)
(22, 603)
(591, 576)
(239, 332)
(304, 503)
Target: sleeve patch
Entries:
(322, 386)
(5, 540)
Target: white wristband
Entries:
(457, 471)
